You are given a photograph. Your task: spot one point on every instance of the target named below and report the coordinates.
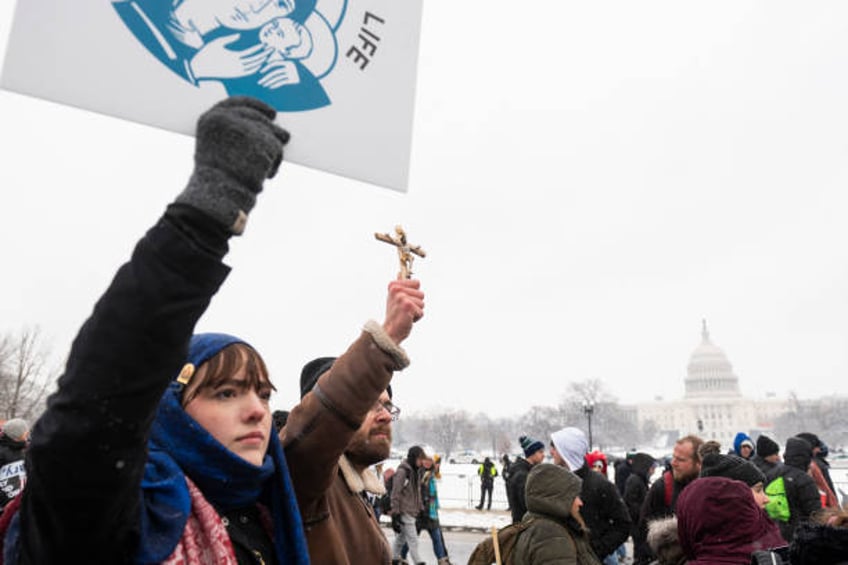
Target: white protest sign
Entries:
(340, 72)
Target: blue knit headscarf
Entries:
(180, 447)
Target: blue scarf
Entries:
(179, 446)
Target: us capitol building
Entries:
(712, 406)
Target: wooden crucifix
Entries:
(405, 251)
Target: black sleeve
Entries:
(652, 507)
(88, 450)
(617, 517)
(517, 482)
(634, 495)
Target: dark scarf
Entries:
(179, 446)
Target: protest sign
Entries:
(341, 73)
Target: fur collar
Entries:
(357, 482)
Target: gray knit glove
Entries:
(238, 146)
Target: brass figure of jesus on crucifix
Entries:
(405, 251)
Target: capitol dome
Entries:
(709, 373)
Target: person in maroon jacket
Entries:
(718, 521)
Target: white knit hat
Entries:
(572, 445)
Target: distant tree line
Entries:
(25, 374)
(26, 378)
(614, 427)
(451, 430)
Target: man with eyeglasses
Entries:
(662, 496)
(341, 427)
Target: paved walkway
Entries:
(452, 519)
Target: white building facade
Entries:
(712, 406)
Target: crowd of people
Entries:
(159, 445)
(702, 506)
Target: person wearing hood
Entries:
(158, 446)
(555, 532)
(13, 444)
(743, 446)
(603, 509)
(802, 495)
(641, 468)
(623, 468)
(597, 461)
(718, 521)
(820, 469)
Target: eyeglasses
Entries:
(393, 410)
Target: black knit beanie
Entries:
(314, 369)
(810, 437)
(311, 371)
(732, 467)
(767, 446)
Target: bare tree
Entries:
(24, 374)
(447, 428)
(539, 422)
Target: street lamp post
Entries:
(588, 409)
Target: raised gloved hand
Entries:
(238, 146)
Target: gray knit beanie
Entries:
(16, 429)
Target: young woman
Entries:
(555, 531)
(718, 521)
(428, 518)
(158, 447)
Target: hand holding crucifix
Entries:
(405, 251)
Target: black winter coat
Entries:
(623, 469)
(88, 451)
(802, 494)
(517, 480)
(11, 450)
(604, 512)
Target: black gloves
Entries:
(396, 523)
(238, 146)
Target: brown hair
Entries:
(833, 517)
(223, 365)
(710, 446)
(696, 446)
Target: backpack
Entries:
(771, 557)
(668, 488)
(487, 553)
(778, 505)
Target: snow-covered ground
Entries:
(459, 493)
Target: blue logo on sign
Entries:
(274, 50)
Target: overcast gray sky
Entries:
(589, 180)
